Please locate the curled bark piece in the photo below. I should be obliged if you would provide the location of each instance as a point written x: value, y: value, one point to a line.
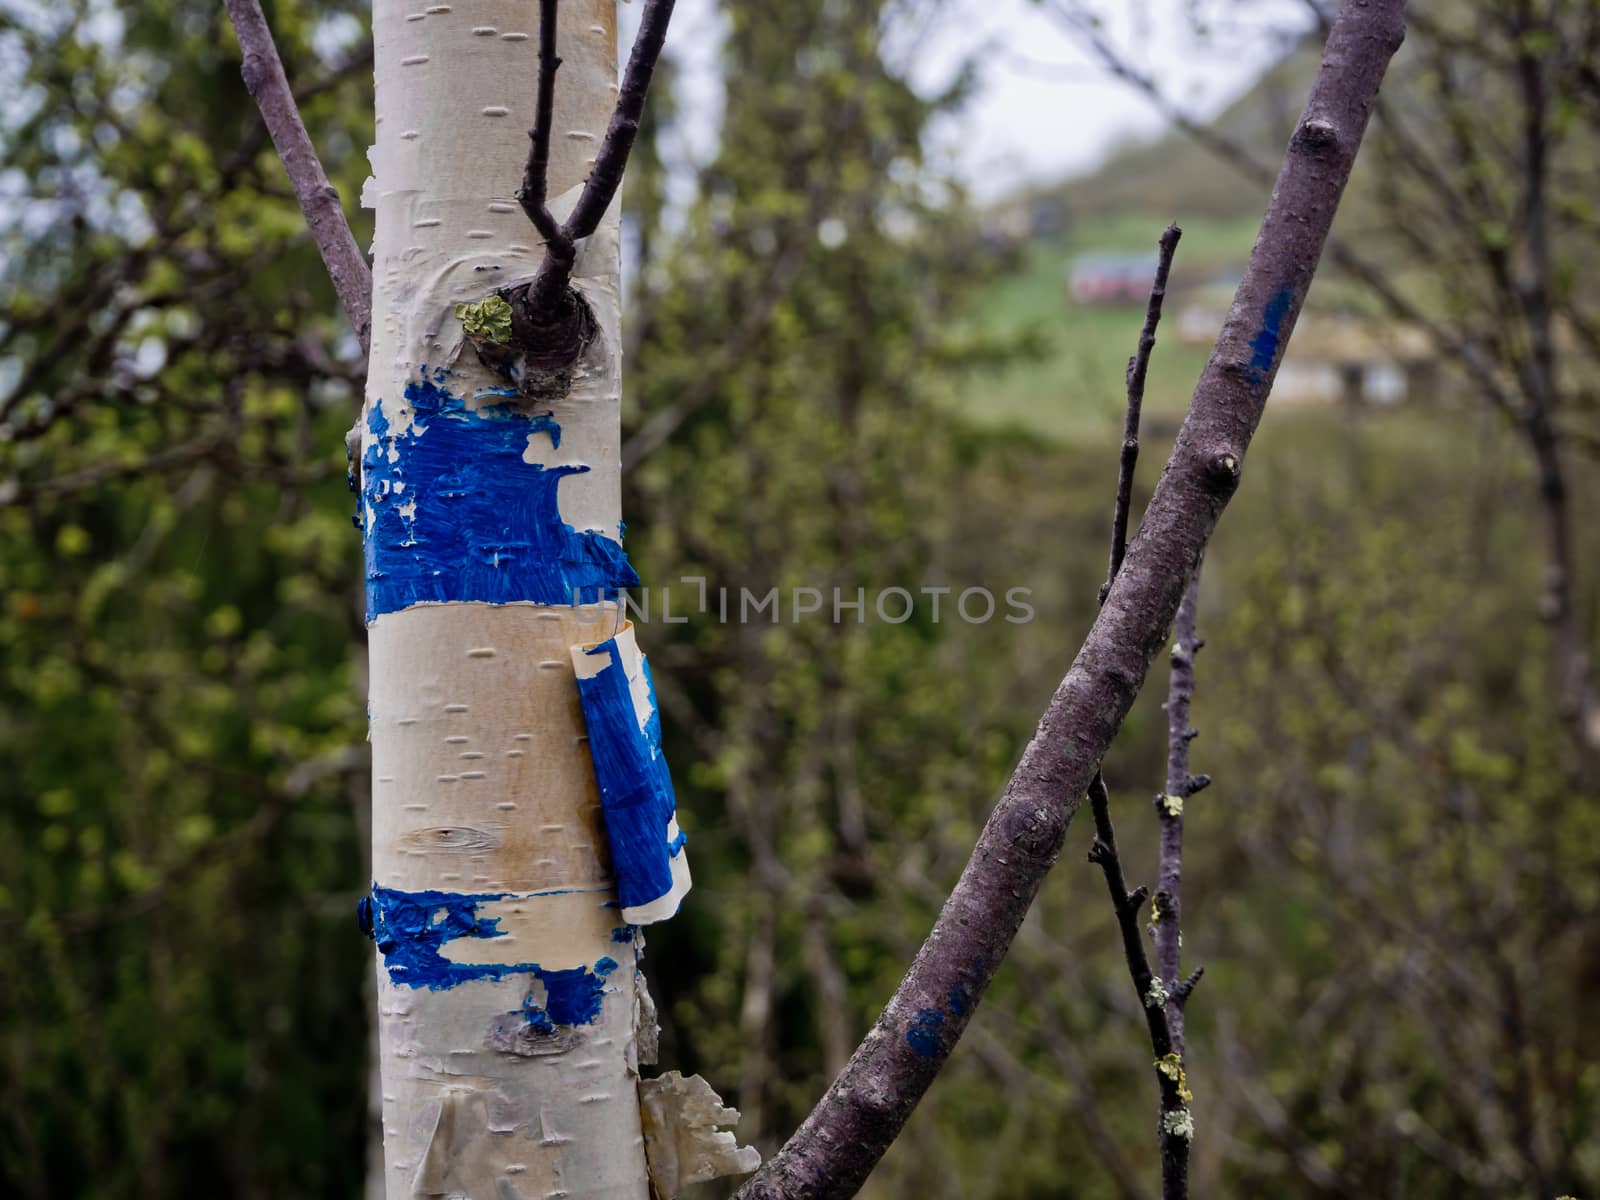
x: 684, y: 1141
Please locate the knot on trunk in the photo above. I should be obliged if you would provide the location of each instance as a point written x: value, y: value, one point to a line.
x: 533, y: 334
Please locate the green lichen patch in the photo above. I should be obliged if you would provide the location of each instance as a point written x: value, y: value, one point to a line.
x: 1171, y: 1065
x: 1179, y: 1123
x: 488, y: 320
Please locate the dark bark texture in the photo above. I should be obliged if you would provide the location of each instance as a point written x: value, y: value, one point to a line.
x: 833, y: 1151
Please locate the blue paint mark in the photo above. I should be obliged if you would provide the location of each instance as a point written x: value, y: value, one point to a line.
x: 458, y: 515
x: 572, y: 997
x: 958, y: 999
x: 410, y: 928
x: 923, y: 1036
x: 635, y: 786
x: 1265, y: 343
x: 537, y: 1018
x: 623, y: 933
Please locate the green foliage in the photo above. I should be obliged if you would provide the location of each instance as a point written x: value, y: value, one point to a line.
x: 180, y: 1007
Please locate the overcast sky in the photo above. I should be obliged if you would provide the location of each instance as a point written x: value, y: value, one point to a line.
x: 1044, y: 109
x: 1047, y: 109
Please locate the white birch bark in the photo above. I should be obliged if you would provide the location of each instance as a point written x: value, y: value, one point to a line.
x: 486, y: 821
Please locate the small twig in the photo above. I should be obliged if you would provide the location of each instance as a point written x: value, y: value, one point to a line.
x: 319, y: 199
x: 1153, y: 999
x: 1161, y: 1016
x: 1126, y: 904
x: 548, y: 290
x: 1138, y: 368
x: 1180, y: 786
x: 1182, y: 992
x: 606, y: 175
x: 535, y: 178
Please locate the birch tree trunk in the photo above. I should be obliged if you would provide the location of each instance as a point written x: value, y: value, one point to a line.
x: 507, y: 976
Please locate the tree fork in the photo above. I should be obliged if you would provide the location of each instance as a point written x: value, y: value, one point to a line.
x: 552, y: 325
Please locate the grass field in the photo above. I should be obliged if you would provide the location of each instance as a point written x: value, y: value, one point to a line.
x: 1075, y: 386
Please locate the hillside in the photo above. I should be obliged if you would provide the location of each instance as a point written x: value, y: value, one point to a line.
x: 1074, y: 385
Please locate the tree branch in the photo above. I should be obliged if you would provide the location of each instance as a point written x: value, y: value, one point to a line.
x: 548, y: 289
x: 606, y: 176
x: 535, y: 177
x: 319, y: 199
x: 1148, y: 988
x: 836, y: 1147
x: 1152, y: 998
x: 1181, y: 785
x: 1138, y: 368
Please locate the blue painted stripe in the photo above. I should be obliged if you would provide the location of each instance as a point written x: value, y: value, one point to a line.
x: 410, y: 928
x: 455, y: 514
x: 1264, y: 346
x: 635, y: 786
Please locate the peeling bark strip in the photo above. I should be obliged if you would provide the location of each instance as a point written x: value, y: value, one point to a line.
x: 684, y: 1136
x: 619, y: 709
x: 511, y: 1009
x: 867, y: 1105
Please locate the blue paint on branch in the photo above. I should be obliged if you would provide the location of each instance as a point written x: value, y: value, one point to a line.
x: 455, y: 514
x: 1266, y: 342
x: 635, y: 786
x: 923, y: 1036
x: 411, y: 928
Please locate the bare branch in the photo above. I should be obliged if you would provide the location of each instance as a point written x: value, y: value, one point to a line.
x: 867, y: 1105
x: 1149, y: 988
x: 535, y: 177
x: 549, y: 286
x: 319, y: 199
x: 1180, y: 786
x: 1138, y: 368
x: 606, y: 176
